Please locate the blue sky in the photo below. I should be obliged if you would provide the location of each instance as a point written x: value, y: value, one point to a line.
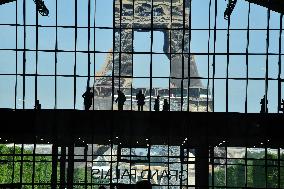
x: 142, y: 42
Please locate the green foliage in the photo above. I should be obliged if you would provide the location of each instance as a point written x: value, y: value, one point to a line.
x: 219, y: 177
x: 79, y: 175
x: 256, y: 173
x: 236, y: 175
x: 11, y: 163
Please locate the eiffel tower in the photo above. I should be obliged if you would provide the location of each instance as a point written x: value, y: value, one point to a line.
x: 174, y: 18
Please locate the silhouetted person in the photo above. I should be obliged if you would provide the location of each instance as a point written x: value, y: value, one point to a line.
x: 140, y: 100
x: 157, y: 103
x: 120, y: 99
x: 37, y: 105
x: 166, y: 106
x: 88, y: 97
x: 262, y: 102
x: 143, y: 184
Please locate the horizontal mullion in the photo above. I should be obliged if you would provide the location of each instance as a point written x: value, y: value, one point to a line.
x: 141, y: 77
x: 144, y: 28
x: 121, y: 52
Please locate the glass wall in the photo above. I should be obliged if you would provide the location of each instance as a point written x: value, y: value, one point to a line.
x: 114, y: 165
x: 184, y: 51
x: 240, y: 167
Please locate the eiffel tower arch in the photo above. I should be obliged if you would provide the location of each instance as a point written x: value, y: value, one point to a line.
x: 172, y: 17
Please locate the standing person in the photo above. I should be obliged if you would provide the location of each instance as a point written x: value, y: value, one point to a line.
x: 166, y: 106
x: 37, y: 105
x: 120, y: 100
x: 262, y: 103
x: 140, y: 100
x: 88, y: 97
x: 157, y: 103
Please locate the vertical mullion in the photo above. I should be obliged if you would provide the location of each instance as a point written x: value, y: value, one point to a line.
x: 54, y: 174
x: 214, y: 57
x: 130, y: 141
x: 247, y: 60
x: 182, y: 56
x: 111, y: 149
x: 22, y: 161
x: 189, y: 53
x: 246, y: 167
x: 170, y: 53
x: 278, y: 167
x: 86, y: 161
x: 89, y: 37
x: 151, y: 60
x: 111, y: 153
x: 149, y: 160
x: 70, y: 170
x: 168, y: 144
x: 212, y: 159
x: 208, y: 50
x: 132, y: 53
x: 189, y: 56
x: 266, y: 171
x: 75, y: 48
x: 120, y: 31
x: 34, y: 164
x: 63, y: 164
x: 16, y: 75
x: 226, y: 161
x: 267, y: 59
x: 228, y: 63
x: 181, y: 158
x: 113, y: 54
x: 92, y: 158
x: 95, y: 10
x: 187, y: 162
x: 279, y: 64
x: 36, y: 74
x: 13, y: 168
x: 24, y: 54
x: 118, y: 156
x: 56, y: 51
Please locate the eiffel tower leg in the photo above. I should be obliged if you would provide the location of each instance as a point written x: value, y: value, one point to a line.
x: 118, y: 64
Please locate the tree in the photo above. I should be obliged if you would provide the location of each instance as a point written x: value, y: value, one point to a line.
x: 256, y: 174
x: 10, y: 169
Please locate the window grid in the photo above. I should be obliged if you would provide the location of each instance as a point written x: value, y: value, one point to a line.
x: 21, y: 73
x: 21, y: 161
x: 31, y: 168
